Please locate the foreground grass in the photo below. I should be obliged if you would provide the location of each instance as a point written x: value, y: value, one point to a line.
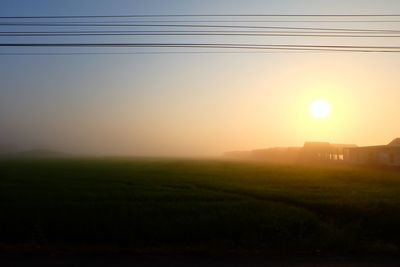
x: 199, y: 206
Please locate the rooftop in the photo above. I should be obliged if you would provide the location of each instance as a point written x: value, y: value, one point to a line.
x: 395, y: 142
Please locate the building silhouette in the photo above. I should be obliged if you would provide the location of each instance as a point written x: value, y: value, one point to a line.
x: 324, y: 152
x: 388, y: 155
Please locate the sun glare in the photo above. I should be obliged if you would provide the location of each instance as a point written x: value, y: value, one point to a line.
x: 320, y: 109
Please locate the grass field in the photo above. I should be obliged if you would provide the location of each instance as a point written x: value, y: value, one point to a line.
x: 197, y: 206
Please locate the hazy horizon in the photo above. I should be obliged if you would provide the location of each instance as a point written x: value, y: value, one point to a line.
x: 196, y: 104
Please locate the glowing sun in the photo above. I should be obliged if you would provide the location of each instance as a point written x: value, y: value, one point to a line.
x: 320, y: 109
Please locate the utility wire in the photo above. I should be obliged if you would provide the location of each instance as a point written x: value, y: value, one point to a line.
x: 195, y: 33
x: 216, y: 21
x: 195, y: 26
x: 147, y: 53
x: 178, y: 31
x: 197, y: 15
x: 202, y: 45
x: 222, y: 28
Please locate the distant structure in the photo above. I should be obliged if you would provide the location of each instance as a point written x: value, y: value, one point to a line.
x: 311, y: 152
x: 324, y: 152
x: 388, y: 155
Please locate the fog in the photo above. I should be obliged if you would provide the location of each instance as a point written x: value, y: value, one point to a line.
x: 194, y: 104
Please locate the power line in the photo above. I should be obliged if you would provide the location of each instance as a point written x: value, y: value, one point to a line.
x: 196, y: 33
x: 236, y: 21
x: 195, y: 26
x: 146, y: 53
x: 197, y: 45
x: 221, y: 21
x: 196, y: 15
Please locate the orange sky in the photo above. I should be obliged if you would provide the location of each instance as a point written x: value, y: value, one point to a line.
x: 203, y: 104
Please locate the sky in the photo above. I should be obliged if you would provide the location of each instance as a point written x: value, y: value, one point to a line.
x: 199, y: 104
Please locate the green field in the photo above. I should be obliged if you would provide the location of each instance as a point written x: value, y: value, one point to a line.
x: 197, y: 206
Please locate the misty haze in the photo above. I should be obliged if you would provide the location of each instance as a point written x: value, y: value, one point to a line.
x: 200, y: 133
